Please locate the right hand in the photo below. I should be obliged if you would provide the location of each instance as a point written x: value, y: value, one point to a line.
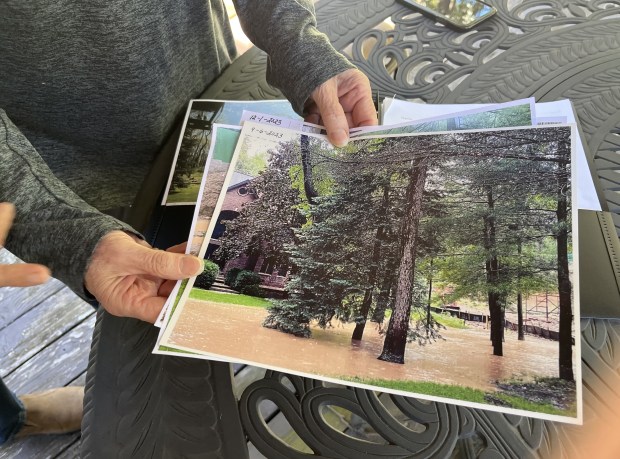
x: 341, y: 103
x: 19, y: 274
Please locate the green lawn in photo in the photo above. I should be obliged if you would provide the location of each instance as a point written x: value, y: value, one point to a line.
x: 189, y: 193
x: 446, y: 320
x: 229, y: 298
x: 467, y: 394
x: 449, y: 321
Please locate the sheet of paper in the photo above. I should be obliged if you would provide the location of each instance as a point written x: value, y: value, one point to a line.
x: 221, y: 148
x: 515, y: 113
x: 400, y: 111
x: 272, y: 120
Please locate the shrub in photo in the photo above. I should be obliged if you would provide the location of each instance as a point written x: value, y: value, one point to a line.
x: 248, y: 283
x: 231, y: 276
x: 207, y: 277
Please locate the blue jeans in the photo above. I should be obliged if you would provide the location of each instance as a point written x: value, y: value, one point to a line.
x: 12, y: 413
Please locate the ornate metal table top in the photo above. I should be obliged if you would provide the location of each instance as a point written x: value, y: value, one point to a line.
x: 170, y: 407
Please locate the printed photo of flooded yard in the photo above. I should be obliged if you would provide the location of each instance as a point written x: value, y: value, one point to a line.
x: 411, y: 263
x: 458, y: 364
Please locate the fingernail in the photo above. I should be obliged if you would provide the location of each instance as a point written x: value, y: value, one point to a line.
x: 191, y: 266
x: 340, y: 138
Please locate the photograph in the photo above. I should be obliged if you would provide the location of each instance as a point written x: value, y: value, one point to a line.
x: 223, y: 140
x: 439, y: 265
x: 191, y: 155
x: 515, y: 113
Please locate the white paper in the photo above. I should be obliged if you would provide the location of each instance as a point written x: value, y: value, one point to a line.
x: 399, y: 111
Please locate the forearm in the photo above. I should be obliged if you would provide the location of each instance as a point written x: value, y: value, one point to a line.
x: 53, y: 226
x: 300, y: 57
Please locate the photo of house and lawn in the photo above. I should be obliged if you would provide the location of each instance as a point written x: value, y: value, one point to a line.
x: 416, y: 264
x: 191, y: 155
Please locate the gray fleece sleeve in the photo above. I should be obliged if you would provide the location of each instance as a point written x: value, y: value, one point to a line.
x: 300, y: 57
x: 53, y: 226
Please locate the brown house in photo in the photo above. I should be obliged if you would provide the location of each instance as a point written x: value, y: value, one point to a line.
x: 273, y: 277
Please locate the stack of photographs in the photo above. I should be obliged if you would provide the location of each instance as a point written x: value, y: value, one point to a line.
x: 431, y: 258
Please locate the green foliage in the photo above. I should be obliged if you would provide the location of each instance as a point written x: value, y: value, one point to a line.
x: 289, y: 317
x: 192, y: 155
x: 449, y: 321
x: 443, y: 320
x: 248, y: 283
x: 266, y: 224
x: 231, y: 276
x: 250, y: 164
x: 187, y: 192
x: 207, y: 277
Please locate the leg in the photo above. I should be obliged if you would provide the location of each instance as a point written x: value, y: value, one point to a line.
x: 55, y: 411
x: 12, y: 413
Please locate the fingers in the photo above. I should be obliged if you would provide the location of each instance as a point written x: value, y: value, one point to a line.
x: 7, y: 214
x: 331, y: 112
x: 166, y: 288
x: 20, y: 274
x: 147, y: 309
x: 23, y: 275
x: 166, y: 265
x: 150, y: 309
x: 343, y: 102
x: 179, y: 248
x: 364, y: 112
x: 313, y: 118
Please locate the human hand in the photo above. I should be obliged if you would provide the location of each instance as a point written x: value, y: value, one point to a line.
x: 19, y: 274
x: 131, y: 279
x: 341, y: 103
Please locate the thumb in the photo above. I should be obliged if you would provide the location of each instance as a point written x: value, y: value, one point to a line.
x: 332, y: 113
x: 167, y: 265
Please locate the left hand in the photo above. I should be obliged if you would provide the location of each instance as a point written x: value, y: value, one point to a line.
x: 131, y: 279
x: 341, y: 103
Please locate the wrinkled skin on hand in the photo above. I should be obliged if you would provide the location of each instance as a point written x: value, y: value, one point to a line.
x: 131, y: 279
x: 341, y: 103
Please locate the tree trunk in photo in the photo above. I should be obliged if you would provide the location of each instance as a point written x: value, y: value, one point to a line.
x: 493, y: 280
x: 360, y: 325
x: 383, y: 299
x: 396, y: 335
x: 306, y: 165
x: 564, y: 284
x: 521, y: 335
x: 371, y: 279
x: 430, y: 292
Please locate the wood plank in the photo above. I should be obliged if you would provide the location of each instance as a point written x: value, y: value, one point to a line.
x: 59, y: 364
x: 38, y: 447
x: 34, y: 330
x: 16, y: 301
x: 7, y: 257
x: 72, y: 451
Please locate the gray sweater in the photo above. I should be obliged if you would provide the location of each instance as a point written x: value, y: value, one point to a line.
x: 95, y: 87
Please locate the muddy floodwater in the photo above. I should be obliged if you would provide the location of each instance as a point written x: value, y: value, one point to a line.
x: 463, y: 358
